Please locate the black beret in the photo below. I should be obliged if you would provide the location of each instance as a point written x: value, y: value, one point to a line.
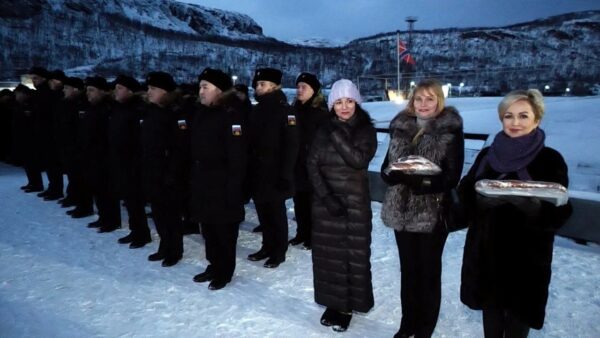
x: 161, y: 80
x: 74, y: 82
x: 98, y: 82
x: 57, y: 75
x: 127, y: 81
x: 217, y: 77
x: 311, y: 80
x: 40, y: 71
x: 267, y: 74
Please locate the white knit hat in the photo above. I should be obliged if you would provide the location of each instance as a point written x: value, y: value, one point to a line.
x: 343, y: 89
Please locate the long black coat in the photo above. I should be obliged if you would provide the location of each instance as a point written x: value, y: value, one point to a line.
x: 67, y: 119
x: 41, y: 127
x: 310, y: 116
x: 92, y: 144
x: 273, y: 142
x: 124, y: 147
x: 508, y: 255
x: 337, y: 165
x: 163, y: 153
x: 218, y: 157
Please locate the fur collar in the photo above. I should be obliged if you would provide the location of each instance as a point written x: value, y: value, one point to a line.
x: 448, y: 121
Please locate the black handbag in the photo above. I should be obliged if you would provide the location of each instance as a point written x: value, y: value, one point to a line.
x: 454, y: 216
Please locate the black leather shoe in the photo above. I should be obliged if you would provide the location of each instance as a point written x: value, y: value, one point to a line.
x: 26, y: 186
x: 78, y: 213
x: 258, y: 228
x: 44, y: 193
x: 126, y: 239
x: 272, y: 263
x: 67, y: 203
x: 258, y: 256
x: 204, y: 276
x: 53, y: 197
x: 170, y: 261
x: 296, y: 240
x: 307, y: 245
x: 95, y: 224
x: 138, y: 244
x: 217, y: 284
x: 34, y: 189
x: 157, y: 256
x: 104, y: 229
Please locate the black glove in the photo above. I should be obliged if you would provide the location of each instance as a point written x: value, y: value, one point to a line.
x: 334, y: 206
x: 530, y: 206
x: 283, y: 184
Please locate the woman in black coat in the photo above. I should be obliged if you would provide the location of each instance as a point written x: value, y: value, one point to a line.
x: 273, y: 146
x: 218, y: 156
x: 341, y: 234
x: 508, y: 251
x: 311, y: 112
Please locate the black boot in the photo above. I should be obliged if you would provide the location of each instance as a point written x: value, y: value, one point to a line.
x: 295, y: 241
x: 217, y: 284
x: 108, y: 228
x: 170, y: 261
x: 328, y: 317
x: 205, y: 276
x: 95, y: 224
x: 80, y: 213
x: 126, y: 239
x: 342, y: 323
x: 157, y: 256
x: 140, y: 241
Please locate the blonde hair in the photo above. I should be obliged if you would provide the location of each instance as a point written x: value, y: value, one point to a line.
x: 532, y: 96
x: 432, y: 85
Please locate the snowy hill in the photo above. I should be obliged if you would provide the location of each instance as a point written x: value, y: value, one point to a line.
x: 112, y: 36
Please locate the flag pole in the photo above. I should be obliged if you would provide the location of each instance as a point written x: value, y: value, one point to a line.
x: 398, y: 61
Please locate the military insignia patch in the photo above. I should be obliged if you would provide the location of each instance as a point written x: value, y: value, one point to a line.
x: 182, y: 124
x: 236, y: 130
x: 291, y: 120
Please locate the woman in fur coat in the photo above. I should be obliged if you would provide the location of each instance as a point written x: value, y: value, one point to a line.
x: 341, y: 208
x: 508, y: 251
x: 412, y: 204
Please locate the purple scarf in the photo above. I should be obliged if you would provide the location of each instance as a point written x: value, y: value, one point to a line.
x: 508, y: 154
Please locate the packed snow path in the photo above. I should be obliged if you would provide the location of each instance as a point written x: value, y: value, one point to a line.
x: 60, y: 279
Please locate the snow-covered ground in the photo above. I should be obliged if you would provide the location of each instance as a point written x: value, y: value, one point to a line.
x: 60, y: 279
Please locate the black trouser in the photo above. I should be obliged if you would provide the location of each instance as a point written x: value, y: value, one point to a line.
x: 500, y: 323
x: 167, y: 219
x: 220, y: 246
x: 421, y: 280
x: 34, y: 178
x: 82, y: 192
x: 138, y: 222
x: 273, y: 217
x: 109, y: 210
x: 302, y: 211
x: 55, y: 179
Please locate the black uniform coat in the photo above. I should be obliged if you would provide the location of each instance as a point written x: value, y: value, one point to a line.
x: 67, y: 119
x: 163, y: 153
x: 273, y: 142
x: 41, y: 127
x: 310, y: 116
x: 92, y: 144
x: 508, y: 255
x: 124, y: 147
x: 218, y: 156
x: 337, y: 165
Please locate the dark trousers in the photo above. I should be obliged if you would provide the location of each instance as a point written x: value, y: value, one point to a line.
x: 167, y: 218
x: 82, y: 192
x: 55, y: 179
x: 420, y: 280
x: 138, y: 222
x: 220, y: 245
x: 109, y: 210
x: 34, y: 177
x: 273, y: 217
x: 302, y: 211
x: 500, y: 323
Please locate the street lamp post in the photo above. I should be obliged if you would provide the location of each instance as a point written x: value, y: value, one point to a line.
x: 460, y: 87
x: 234, y: 78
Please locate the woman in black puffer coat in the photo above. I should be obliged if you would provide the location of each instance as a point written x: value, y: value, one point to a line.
x: 341, y: 235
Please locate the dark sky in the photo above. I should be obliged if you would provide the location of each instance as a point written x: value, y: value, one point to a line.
x: 344, y: 20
